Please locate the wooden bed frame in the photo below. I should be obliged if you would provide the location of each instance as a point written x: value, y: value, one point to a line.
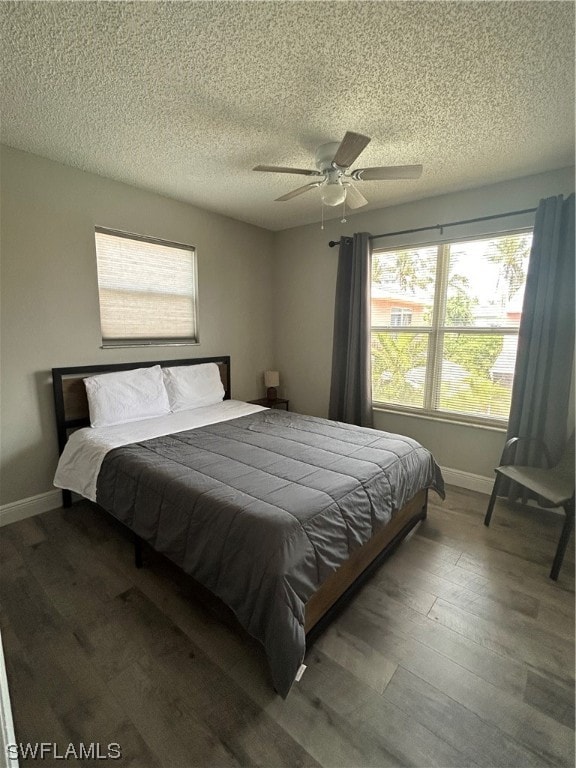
x: 72, y: 413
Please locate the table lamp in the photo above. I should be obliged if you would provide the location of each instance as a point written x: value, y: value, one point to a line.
x: 271, y: 380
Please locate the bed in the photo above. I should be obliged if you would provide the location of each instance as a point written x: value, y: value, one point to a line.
x: 282, y: 516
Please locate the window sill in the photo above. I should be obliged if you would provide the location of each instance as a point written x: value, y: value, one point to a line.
x: 441, y: 418
x: 145, y: 345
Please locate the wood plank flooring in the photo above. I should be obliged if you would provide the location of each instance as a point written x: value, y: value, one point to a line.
x: 458, y: 652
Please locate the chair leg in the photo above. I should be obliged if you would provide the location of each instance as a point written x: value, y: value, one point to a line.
x: 492, y: 501
x: 563, y: 542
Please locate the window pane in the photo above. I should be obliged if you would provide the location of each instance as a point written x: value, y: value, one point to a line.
x: 486, y: 281
x: 477, y: 374
x: 399, y: 367
x: 403, y: 287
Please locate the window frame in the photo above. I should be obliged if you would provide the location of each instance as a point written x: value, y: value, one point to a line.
x: 150, y: 341
x: 436, y: 332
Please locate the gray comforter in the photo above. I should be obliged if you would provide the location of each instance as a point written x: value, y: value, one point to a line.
x: 261, y: 509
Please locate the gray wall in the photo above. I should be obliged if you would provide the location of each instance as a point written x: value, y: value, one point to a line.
x: 304, y: 285
x: 49, y: 300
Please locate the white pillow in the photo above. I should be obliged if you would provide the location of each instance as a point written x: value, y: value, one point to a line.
x: 193, y: 386
x: 115, y: 398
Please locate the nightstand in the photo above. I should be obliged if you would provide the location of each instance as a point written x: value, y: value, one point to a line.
x: 278, y: 403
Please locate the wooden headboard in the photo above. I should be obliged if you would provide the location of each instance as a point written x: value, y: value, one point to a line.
x: 70, y: 393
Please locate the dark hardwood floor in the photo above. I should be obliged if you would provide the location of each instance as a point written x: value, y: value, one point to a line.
x: 459, y: 652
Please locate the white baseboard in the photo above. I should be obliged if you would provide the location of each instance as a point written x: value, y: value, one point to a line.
x: 468, y: 480
x: 33, y: 505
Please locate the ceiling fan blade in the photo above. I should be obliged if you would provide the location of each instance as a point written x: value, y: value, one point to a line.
x: 388, y: 172
x: 296, y: 192
x: 350, y: 147
x: 354, y: 198
x: 281, y: 169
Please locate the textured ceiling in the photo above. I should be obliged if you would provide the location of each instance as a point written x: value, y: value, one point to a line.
x: 184, y: 98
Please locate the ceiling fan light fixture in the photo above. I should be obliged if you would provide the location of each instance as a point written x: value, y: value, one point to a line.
x: 333, y: 193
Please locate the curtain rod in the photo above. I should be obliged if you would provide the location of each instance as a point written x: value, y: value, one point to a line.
x: 332, y: 243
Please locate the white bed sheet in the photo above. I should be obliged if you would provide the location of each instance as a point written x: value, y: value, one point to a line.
x: 86, y: 448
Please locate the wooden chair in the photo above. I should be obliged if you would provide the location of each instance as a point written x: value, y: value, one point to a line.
x: 553, y: 484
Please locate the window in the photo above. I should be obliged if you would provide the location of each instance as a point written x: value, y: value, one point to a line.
x: 445, y: 322
x: 400, y: 316
x: 147, y: 289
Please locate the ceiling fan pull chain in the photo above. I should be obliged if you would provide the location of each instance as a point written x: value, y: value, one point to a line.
x: 343, y: 219
x: 322, y: 210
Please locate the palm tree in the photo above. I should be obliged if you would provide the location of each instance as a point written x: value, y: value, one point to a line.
x: 510, y: 254
x: 409, y: 269
x: 410, y: 273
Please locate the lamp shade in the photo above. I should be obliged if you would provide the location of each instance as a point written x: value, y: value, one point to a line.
x: 271, y: 378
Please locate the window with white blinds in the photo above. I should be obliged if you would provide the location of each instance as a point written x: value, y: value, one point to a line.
x: 147, y: 288
x: 445, y: 322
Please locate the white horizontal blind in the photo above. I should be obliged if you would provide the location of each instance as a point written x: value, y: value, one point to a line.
x: 147, y: 289
x: 461, y: 303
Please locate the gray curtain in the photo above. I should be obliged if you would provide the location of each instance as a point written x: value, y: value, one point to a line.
x: 351, y: 389
x: 544, y: 362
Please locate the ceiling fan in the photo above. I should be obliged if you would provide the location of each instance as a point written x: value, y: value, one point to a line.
x: 333, y: 161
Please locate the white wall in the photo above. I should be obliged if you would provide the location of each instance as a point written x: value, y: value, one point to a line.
x: 49, y: 300
x: 305, y: 279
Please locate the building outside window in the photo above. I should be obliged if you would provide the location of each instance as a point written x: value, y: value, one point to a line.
x: 445, y: 322
x: 148, y: 290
